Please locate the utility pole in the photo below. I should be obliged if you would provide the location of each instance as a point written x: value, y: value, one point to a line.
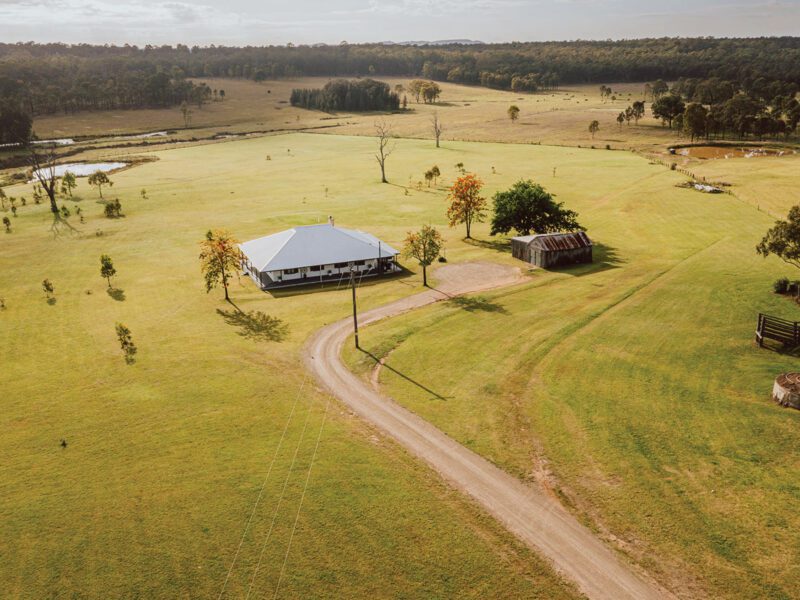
x: 355, y: 312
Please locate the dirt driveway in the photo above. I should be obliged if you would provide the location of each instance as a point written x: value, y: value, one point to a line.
x: 533, y: 516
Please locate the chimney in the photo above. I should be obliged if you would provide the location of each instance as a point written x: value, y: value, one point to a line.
x: 330, y: 220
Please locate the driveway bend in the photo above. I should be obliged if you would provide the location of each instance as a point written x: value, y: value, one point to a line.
x: 536, y: 518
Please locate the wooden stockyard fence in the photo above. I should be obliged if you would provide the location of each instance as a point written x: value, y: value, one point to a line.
x: 780, y: 330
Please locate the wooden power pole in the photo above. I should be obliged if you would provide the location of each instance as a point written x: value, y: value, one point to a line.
x: 355, y: 312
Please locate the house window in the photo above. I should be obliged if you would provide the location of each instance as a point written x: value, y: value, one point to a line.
x: 317, y: 268
x: 360, y: 262
x: 340, y: 265
x: 289, y: 271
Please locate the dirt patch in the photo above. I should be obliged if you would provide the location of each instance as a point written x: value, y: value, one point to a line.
x: 475, y: 277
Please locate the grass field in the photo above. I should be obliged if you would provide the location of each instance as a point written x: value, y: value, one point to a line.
x: 467, y: 112
x: 632, y: 387
x: 166, y: 457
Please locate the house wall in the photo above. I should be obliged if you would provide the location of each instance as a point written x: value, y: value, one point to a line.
x: 266, y: 278
x: 324, y: 271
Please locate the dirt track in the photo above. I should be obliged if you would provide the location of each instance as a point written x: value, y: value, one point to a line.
x: 534, y: 517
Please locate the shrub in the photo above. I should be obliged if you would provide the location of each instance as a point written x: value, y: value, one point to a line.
x: 781, y: 286
x: 113, y: 209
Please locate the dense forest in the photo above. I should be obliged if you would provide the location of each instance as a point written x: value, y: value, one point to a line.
x: 342, y: 94
x: 48, y: 78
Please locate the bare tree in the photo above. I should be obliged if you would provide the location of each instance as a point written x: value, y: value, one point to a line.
x: 44, y: 171
x: 437, y: 127
x: 43, y: 167
x: 384, y: 133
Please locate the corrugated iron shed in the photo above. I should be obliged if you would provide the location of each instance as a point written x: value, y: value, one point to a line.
x: 561, y: 241
x: 553, y: 249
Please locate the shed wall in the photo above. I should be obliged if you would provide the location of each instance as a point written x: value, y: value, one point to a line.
x: 521, y: 250
x: 559, y: 258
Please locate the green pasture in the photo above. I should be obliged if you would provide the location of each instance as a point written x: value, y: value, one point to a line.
x: 166, y: 457
x: 632, y: 387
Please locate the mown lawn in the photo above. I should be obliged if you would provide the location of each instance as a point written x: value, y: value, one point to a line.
x: 165, y: 458
x: 633, y: 387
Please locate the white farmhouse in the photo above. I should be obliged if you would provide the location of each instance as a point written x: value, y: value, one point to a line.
x: 315, y: 253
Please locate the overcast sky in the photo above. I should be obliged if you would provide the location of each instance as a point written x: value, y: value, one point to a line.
x: 261, y: 22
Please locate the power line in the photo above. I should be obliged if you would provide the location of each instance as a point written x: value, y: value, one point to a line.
x: 302, y: 497
x: 263, y: 485
x: 280, y: 501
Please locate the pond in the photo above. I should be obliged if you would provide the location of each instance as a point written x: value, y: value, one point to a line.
x: 86, y: 169
x: 707, y: 152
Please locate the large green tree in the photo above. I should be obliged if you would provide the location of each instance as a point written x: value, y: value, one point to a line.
x: 528, y: 208
x: 695, y: 119
x: 783, y: 239
x: 668, y: 107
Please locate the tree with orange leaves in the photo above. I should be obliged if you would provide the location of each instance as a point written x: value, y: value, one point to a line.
x: 219, y: 257
x: 466, y: 203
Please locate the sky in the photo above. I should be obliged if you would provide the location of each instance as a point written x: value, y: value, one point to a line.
x: 264, y: 22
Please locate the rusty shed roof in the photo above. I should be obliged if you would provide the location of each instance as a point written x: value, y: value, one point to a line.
x: 552, y: 242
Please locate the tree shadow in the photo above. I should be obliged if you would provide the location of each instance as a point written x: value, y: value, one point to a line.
x: 497, y: 245
x: 478, y: 303
x: 604, y: 258
x: 116, y: 293
x: 255, y: 325
x: 61, y: 225
x: 436, y: 395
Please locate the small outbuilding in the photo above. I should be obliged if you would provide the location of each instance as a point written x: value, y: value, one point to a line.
x: 314, y: 254
x: 549, y: 250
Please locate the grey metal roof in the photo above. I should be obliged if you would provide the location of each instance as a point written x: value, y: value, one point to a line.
x: 550, y: 242
x: 313, y: 245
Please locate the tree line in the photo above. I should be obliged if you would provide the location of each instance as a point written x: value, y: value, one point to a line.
x: 58, y: 77
x: 347, y: 95
x: 67, y: 84
x: 716, y: 107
